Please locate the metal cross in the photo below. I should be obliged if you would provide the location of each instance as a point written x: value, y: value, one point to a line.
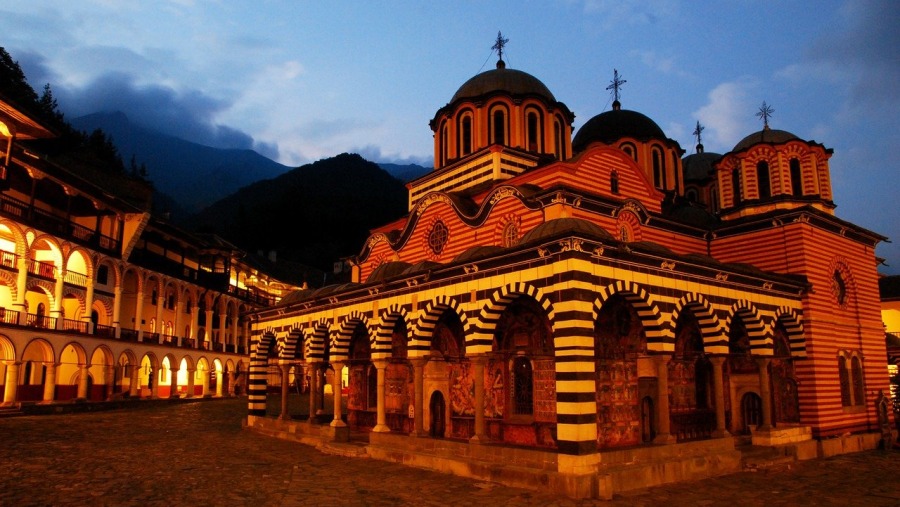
x: 500, y: 44
x: 765, y: 112
x: 615, y: 84
x: 698, y: 131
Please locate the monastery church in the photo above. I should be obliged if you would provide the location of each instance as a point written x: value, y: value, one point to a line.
x: 594, y: 311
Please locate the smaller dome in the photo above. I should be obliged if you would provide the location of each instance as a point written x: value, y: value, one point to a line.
x: 699, y: 166
x: 564, y: 226
x: 501, y: 79
x: 767, y: 135
x: 610, y: 126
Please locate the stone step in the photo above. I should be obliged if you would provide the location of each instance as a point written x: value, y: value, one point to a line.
x: 11, y: 412
x: 345, y: 449
x: 755, y: 458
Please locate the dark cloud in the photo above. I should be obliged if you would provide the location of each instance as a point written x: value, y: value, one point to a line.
x: 187, y: 114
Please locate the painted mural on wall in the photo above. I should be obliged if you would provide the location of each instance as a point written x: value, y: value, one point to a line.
x: 618, y: 404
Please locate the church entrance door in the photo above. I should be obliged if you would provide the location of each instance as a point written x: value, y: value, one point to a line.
x: 438, y: 409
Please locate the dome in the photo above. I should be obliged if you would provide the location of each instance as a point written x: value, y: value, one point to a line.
x: 501, y: 79
x: 699, y: 166
x: 767, y: 135
x: 565, y: 226
x: 613, y: 125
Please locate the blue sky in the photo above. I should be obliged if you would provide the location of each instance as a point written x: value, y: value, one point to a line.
x: 299, y: 81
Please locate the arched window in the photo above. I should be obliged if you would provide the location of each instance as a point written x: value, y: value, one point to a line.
x: 691, y: 195
x: 796, y: 178
x: 630, y: 150
x: 498, y: 126
x: 844, y: 376
x: 614, y: 182
x: 658, y: 169
x: 736, y: 186
x: 762, y: 180
x: 534, y: 130
x: 558, y: 139
x: 859, y: 384
x: 510, y: 234
x: 523, y: 390
x: 465, y: 138
x: 444, y: 148
x: 713, y: 199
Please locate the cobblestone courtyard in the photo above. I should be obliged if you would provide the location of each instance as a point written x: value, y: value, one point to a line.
x: 197, y: 453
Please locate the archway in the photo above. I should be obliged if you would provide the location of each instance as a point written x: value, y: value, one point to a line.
x: 619, y: 341
x: 437, y: 411
x: 751, y: 412
x: 692, y: 415
x: 520, y: 394
x: 362, y: 397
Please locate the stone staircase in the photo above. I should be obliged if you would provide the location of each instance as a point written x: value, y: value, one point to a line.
x: 13, y: 411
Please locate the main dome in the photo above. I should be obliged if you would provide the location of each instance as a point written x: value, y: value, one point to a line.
x: 501, y: 79
x: 610, y: 126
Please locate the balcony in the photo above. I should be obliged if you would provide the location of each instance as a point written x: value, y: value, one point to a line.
x: 24, y: 213
x: 30, y: 320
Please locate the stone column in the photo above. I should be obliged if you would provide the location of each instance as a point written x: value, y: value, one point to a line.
x: 139, y: 315
x: 50, y: 383
x: 83, y: 382
x: 220, y: 382
x: 418, y: 383
x: 110, y: 381
x: 12, y: 382
x: 663, y: 435
x: 204, y: 383
x: 117, y: 311
x: 56, y: 311
x: 176, y: 324
x: 195, y: 324
x: 480, y: 436
x: 173, y: 382
x: 191, y: 373
x: 88, y: 303
x: 765, y: 393
x: 160, y: 328
x: 154, y: 384
x: 285, y: 371
x: 209, y: 328
x: 313, y: 369
x: 234, y: 333
x: 21, y: 283
x: 381, y: 420
x: 135, y: 381
x: 719, y: 391
x: 336, y: 388
x: 222, y: 317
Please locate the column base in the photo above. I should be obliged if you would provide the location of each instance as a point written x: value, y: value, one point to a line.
x: 479, y: 439
x: 665, y: 439
x: 381, y: 428
x: 720, y: 434
x: 337, y: 423
x: 419, y: 434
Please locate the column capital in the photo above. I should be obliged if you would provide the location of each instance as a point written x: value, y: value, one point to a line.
x: 380, y: 364
x: 478, y: 358
x: 717, y: 360
x: 418, y: 362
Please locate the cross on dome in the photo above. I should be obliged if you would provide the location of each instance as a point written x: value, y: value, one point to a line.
x: 499, y: 45
x: 765, y: 112
x: 615, y: 85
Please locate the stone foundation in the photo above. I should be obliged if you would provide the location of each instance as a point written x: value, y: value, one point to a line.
x: 297, y: 431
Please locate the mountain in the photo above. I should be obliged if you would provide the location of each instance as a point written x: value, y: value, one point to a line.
x: 314, y: 214
x: 404, y: 172
x: 192, y: 175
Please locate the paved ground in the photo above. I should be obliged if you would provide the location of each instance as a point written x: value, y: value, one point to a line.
x: 197, y: 453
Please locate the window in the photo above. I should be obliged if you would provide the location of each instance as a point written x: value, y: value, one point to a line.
x: 630, y: 150
x: 853, y: 386
x: 614, y: 182
x: 691, y: 195
x: 762, y: 180
x: 859, y: 385
x: 796, y: 178
x: 533, y: 132
x: 558, y: 138
x: 523, y: 390
x: 510, y: 234
x: 444, y: 148
x: 437, y: 237
x: 466, y: 136
x: 498, y: 129
x: 736, y: 186
x: 839, y: 288
x: 659, y: 170
x: 103, y: 274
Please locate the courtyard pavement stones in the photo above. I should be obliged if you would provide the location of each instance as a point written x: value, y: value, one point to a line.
x: 197, y: 454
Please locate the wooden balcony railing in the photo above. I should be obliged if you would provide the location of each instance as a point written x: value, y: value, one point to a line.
x: 40, y: 321
x: 76, y: 278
